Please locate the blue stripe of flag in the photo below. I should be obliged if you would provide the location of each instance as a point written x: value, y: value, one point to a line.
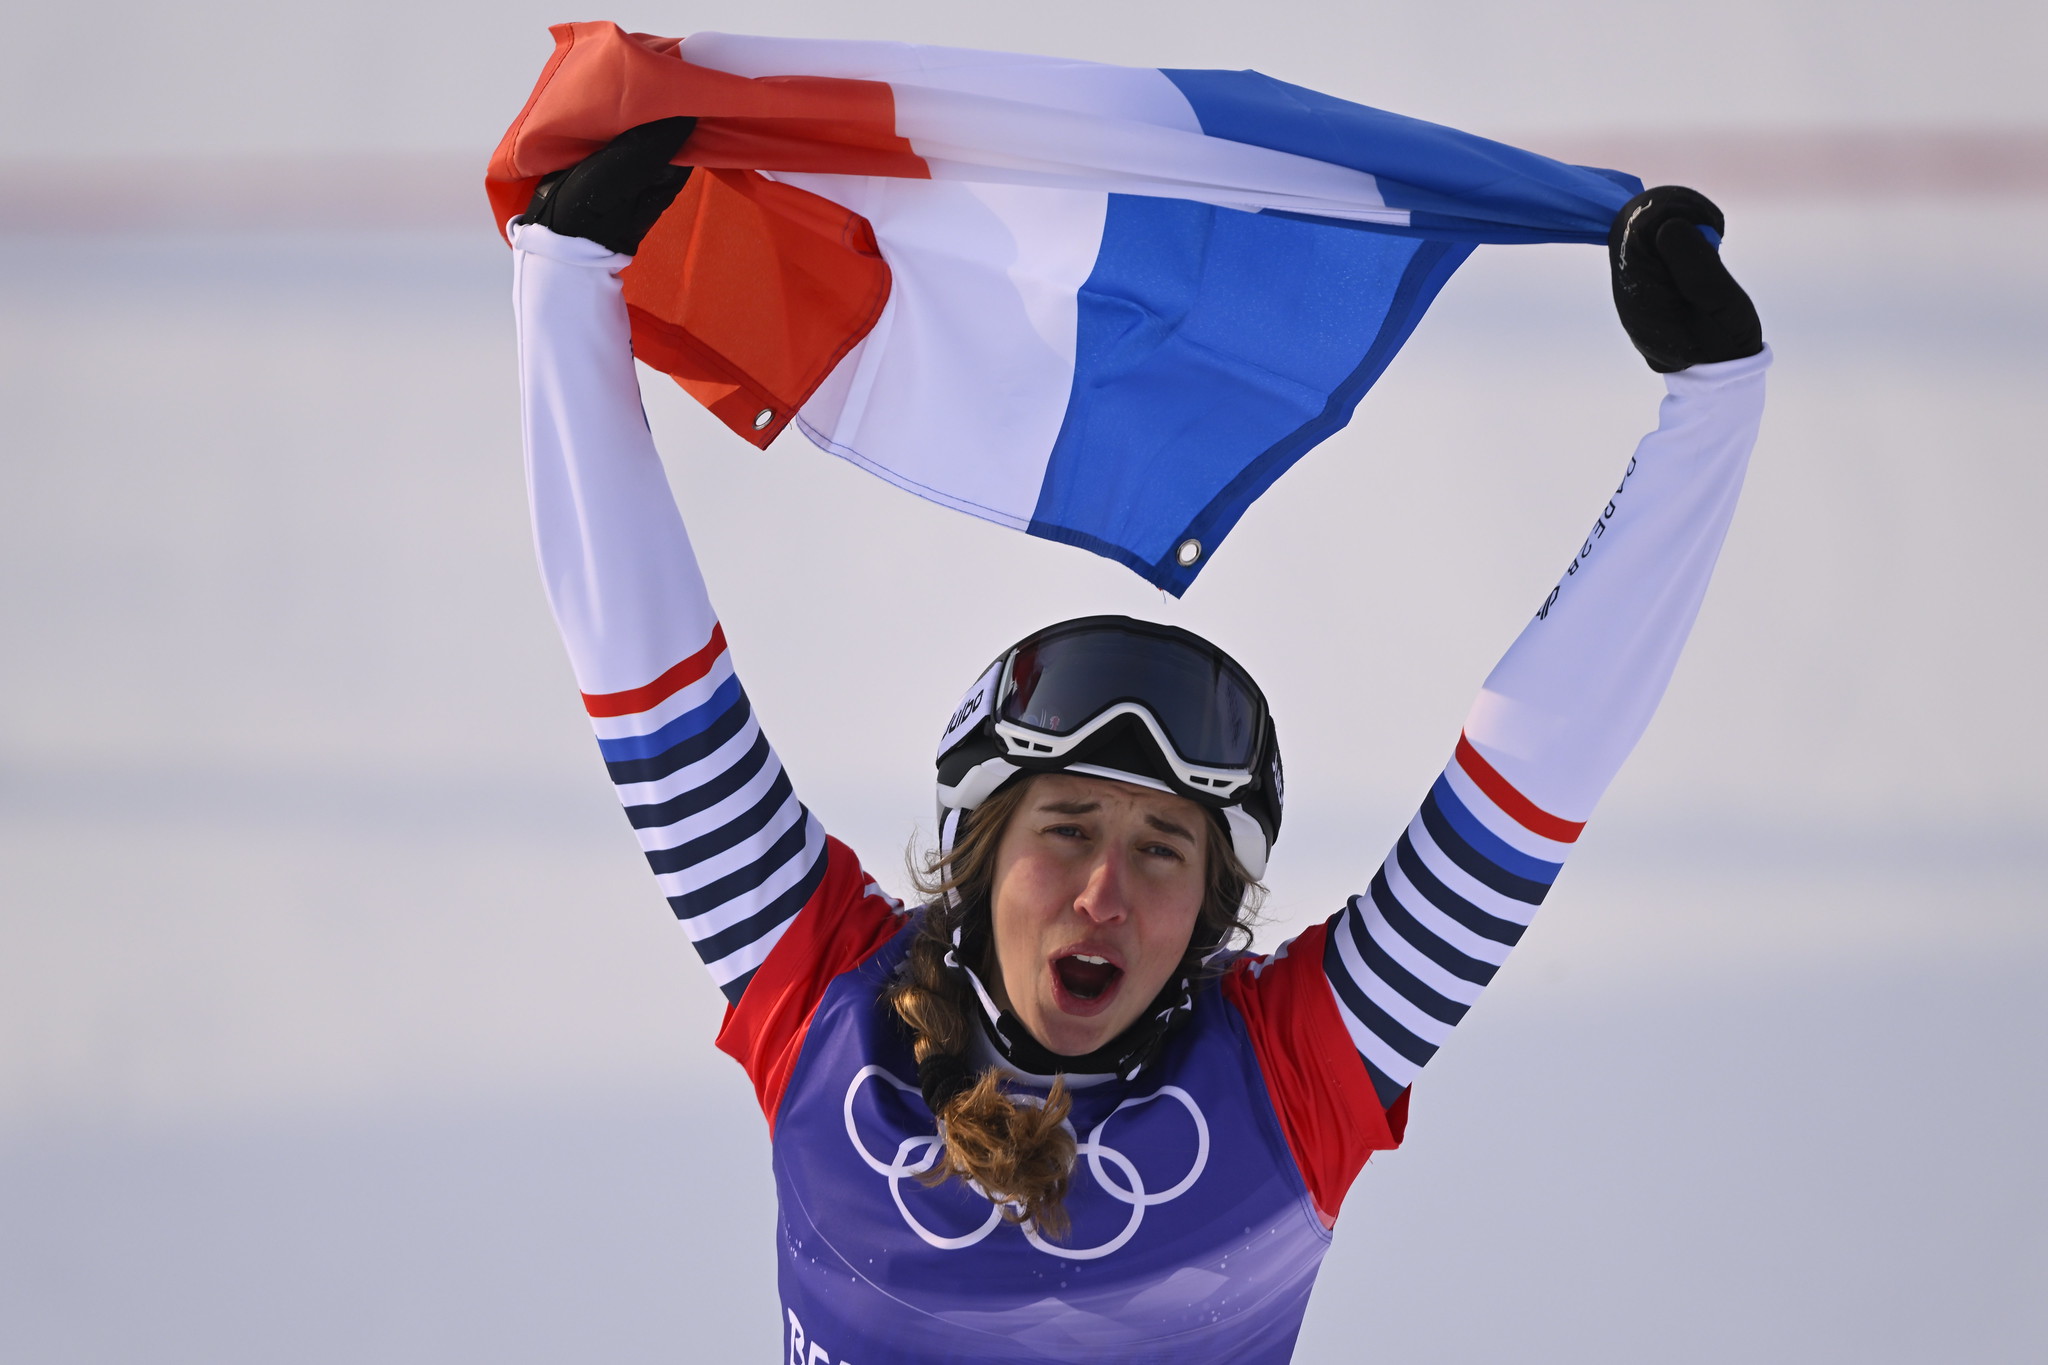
x: 1216, y: 347
x: 1456, y: 186
x: 1213, y: 349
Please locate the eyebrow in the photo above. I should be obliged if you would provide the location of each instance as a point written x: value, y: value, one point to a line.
x: 1070, y: 807
x: 1158, y: 822
x: 1161, y: 823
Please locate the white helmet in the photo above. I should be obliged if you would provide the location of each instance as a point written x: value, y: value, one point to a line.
x: 1109, y: 696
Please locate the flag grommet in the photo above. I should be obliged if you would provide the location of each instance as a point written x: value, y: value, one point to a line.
x: 1190, y: 550
x: 763, y: 418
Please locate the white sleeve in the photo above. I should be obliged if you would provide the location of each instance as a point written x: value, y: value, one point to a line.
x: 1552, y: 727
x: 734, y: 851
x: 1561, y: 711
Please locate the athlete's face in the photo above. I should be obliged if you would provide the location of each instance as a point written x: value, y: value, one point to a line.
x: 1097, y: 888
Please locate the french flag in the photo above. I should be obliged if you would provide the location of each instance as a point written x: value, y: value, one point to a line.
x: 1105, y: 305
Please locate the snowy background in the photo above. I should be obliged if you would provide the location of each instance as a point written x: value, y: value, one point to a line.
x: 341, y: 1022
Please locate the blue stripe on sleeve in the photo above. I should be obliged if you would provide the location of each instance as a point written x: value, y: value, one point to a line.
x: 1449, y: 903
x: 735, y: 831
x: 737, y: 987
x: 1481, y: 868
x: 1383, y: 1085
x: 742, y: 880
x: 1382, y: 1025
x: 1485, y: 842
x: 1411, y: 987
x: 689, y: 724
x: 706, y: 794
x: 687, y: 751
x: 1410, y: 929
x: 785, y: 906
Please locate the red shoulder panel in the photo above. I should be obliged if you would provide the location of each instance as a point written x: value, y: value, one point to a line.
x: 1317, y: 1080
x: 846, y: 920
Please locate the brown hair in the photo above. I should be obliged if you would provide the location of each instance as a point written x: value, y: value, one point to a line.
x: 1016, y: 1152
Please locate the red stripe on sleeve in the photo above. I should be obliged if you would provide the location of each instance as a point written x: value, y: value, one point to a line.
x: 637, y: 699
x: 840, y: 927
x: 1502, y: 793
x: 1314, y: 1075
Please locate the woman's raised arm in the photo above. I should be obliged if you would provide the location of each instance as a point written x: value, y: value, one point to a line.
x: 1550, y: 729
x: 1557, y: 717
x: 1561, y: 712
x: 735, y: 852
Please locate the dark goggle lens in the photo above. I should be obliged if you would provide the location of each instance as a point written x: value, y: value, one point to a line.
x: 1209, y: 713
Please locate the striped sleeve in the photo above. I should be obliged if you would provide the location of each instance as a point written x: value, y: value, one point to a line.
x: 1408, y: 958
x: 733, y: 850
x: 1555, y: 721
x: 1403, y: 963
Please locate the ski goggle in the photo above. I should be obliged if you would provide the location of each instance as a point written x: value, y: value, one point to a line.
x: 1063, y: 686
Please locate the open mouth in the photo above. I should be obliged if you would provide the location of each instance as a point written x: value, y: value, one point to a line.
x: 1086, y: 976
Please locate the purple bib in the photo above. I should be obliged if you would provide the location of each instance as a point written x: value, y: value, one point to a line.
x: 1193, y: 1237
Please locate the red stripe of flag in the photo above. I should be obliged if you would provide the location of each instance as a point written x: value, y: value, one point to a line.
x: 637, y: 699
x: 1502, y: 793
x: 602, y: 80
x: 748, y: 291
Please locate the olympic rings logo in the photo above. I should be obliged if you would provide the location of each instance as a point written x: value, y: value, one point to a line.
x: 916, y: 1155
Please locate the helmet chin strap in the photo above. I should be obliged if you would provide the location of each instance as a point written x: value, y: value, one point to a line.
x: 1124, y: 1055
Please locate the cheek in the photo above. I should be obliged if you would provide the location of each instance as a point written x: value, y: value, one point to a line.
x: 1026, y: 898
x: 1169, y: 930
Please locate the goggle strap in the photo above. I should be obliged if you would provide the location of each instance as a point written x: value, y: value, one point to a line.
x: 976, y: 706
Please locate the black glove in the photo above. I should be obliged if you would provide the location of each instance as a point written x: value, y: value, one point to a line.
x: 1679, y: 303
x: 613, y: 196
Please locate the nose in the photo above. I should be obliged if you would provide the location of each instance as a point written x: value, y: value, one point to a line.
x: 1104, y: 896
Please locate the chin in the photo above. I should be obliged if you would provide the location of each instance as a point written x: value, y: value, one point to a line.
x: 1071, y: 1037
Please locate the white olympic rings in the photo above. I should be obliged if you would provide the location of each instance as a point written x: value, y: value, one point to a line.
x: 916, y: 1155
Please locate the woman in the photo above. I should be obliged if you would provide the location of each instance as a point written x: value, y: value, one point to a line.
x: 1054, y: 1114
